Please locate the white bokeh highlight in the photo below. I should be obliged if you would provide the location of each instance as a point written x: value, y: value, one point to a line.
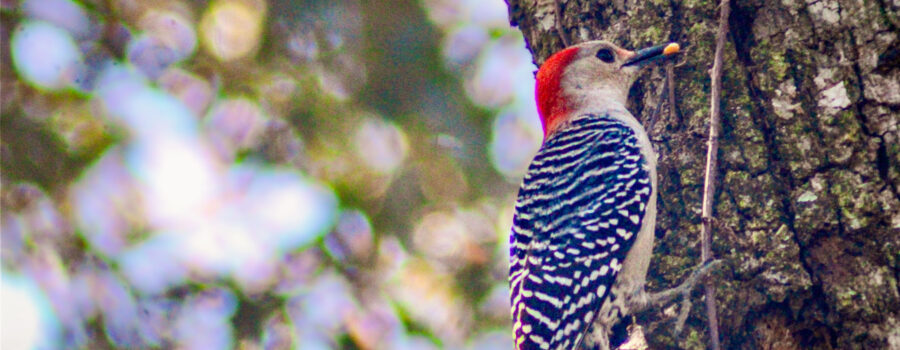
x: 381, y: 145
x: 45, y: 55
x: 28, y: 322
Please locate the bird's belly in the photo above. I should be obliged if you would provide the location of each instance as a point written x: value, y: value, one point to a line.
x: 630, y: 282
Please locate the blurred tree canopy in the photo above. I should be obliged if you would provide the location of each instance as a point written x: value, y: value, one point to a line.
x: 250, y: 174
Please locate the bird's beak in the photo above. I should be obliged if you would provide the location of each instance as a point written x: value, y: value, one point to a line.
x: 651, y: 54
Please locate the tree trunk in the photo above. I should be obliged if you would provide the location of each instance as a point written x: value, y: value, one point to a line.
x: 807, y: 205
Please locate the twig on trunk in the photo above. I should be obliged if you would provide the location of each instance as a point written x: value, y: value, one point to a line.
x: 709, y: 189
x: 654, y: 115
x: 670, y: 81
x: 559, y: 25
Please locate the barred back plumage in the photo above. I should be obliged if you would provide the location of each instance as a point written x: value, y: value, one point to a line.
x: 578, y: 212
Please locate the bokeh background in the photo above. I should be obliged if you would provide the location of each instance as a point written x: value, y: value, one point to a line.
x: 260, y: 175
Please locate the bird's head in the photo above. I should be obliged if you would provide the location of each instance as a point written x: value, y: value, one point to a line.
x: 593, y: 72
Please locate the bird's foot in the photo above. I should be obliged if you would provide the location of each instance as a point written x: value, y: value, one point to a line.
x: 660, y: 299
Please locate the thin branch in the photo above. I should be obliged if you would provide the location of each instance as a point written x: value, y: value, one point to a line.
x: 559, y: 25
x: 651, y: 125
x: 670, y: 81
x: 709, y: 189
x: 669, y: 88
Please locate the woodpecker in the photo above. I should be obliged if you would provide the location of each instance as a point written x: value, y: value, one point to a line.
x: 582, y: 234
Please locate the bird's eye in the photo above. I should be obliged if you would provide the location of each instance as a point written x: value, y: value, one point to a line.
x: 606, y: 55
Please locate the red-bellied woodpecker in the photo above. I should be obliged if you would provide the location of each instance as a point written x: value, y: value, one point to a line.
x: 582, y: 234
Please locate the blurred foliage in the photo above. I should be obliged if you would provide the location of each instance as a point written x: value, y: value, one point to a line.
x: 247, y: 174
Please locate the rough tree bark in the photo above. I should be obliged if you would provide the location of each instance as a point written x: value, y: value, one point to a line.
x: 808, y: 198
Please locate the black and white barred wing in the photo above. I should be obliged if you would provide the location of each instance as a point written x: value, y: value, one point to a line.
x: 579, y: 210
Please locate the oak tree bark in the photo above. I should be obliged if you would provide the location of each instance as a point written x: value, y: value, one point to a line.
x: 808, y: 201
